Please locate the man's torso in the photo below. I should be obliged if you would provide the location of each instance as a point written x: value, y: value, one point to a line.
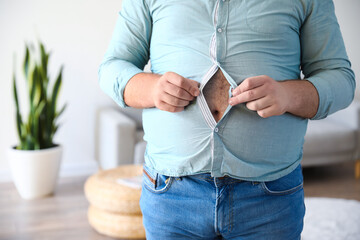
x: 216, y: 93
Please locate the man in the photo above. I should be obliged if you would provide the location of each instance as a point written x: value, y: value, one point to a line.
x: 225, y: 111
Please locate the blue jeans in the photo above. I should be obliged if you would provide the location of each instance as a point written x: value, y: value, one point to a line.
x: 203, y: 207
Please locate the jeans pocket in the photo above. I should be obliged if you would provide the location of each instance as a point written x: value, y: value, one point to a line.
x: 155, y: 182
x: 285, y: 185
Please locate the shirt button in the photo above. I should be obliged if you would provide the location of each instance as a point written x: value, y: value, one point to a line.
x: 216, y: 129
x: 219, y: 30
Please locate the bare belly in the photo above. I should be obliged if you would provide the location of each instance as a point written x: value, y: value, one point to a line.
x: 216, y: 93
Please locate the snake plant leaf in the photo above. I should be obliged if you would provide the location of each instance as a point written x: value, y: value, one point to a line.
x: 44, y: 61
x: 57, y: 114
x: 30, y: 122
x: 33, y: 82
x: 26, y: 61
x: 39, y: 129
x: 15, y: 94
x: 22, y: 137
x: 55, y: 128
x: 38, y: 94
x: 18, y: 125
x: 29, y: 143
x: 55, y: 91
x: 48, y: 120
x: 39, y: 109
x: 36, y: 133
x: 18, y: 115
x: 23, y: 131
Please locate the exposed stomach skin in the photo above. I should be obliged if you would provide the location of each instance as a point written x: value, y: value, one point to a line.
x: 216, y: 92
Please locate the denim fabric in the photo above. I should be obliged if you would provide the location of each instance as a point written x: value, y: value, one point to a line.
x: 195, y: 38
x: 203, y: 207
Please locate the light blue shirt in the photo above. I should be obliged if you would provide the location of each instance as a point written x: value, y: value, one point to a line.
x: 243, y: 38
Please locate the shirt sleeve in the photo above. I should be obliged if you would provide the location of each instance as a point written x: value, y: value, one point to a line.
x: 128, y: 51
x: 324, y: 60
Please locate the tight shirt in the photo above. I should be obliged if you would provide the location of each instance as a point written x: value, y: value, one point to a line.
x: 243, y: 38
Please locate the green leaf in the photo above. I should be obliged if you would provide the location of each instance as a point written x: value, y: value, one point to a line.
x: 44, y: 61
x: 18, y: 124
x: 38, y: 92
x: 57, y: 114
x: 23, y: 137
x: 37, y: 131
x: 55, y: 128
x: 15, y: 94
x: 29, y: 143
x: 18, y: 115
x: 33, y: 84
x: 55, y: 92
x: 26, y: 61
x: 23, y: 131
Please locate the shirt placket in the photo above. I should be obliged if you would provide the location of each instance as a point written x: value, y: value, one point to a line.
x: 218, y: 54
x: 221, y: 29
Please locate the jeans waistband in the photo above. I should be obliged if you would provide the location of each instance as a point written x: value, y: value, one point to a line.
x: 208, y: 177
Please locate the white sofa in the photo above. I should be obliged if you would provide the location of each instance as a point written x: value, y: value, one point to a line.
x: 327, y: 141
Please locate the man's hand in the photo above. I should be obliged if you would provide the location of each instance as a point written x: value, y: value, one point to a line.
x: 262, y: 94
x: 172, y: 92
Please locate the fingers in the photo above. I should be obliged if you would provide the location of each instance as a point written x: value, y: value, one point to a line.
x: 178, y: 92
x: 186, y: 84
x: 250, y: 83
x: 260, y: 104
x: 249, y: 95
x: 173, y: 92
x: 262, y: 94
x: 174, y: 101
x: 169, y: 108
x: 269, y: 111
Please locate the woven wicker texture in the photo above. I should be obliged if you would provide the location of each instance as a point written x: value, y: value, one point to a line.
x: 116, y: 225
x: 103, y: 192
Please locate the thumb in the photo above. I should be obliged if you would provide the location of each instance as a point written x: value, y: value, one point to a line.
x: 194, y: 87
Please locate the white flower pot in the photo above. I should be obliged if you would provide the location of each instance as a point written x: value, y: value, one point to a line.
x: 35, y: 172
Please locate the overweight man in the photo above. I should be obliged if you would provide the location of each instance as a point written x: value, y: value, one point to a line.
x: 225, y: 109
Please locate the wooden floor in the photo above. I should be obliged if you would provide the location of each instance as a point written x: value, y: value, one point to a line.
x: 63, y: 216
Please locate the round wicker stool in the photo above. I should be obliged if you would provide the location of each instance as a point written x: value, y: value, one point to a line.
x: 116, y: 225
x: 105, y: 193
x: 114, y: 208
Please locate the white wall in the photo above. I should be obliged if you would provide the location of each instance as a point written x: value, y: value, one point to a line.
x: 348, y: 14
x: 78, y: 32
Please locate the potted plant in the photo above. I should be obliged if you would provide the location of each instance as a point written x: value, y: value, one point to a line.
x: 35, y: 161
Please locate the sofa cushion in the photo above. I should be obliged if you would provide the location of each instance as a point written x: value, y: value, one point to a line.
x: 135, y: 114
x: 328, y: 136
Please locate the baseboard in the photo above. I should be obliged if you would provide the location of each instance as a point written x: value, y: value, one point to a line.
x: 66, y: 170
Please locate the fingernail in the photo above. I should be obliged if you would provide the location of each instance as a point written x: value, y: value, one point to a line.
x: 196, y: 93
x: 231, y: 102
